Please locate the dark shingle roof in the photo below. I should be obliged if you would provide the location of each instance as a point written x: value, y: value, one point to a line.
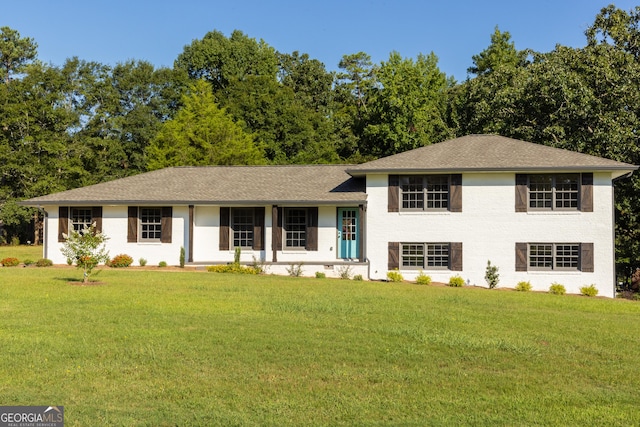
x: 318, y: 184
x: 487, y: 153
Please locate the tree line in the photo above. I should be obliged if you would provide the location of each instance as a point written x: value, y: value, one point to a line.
x: 236, y: 100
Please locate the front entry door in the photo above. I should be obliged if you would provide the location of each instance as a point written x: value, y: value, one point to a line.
x: 348, y: 233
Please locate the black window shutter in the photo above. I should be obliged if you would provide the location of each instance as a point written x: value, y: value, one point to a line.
x: 132, y: 224
x: 258, y: 229
x: 521, y: 257
x: 63, y: 222
x: 455, y: 256
x: 586, y: 257
x: 455, y: 193
x: 166, y: 224
x: 394, y: 192
x: 224, y: 228
x: 521, y: 192
x: 96, y: 217
x: 394, y: 256
x: 312, y: 229
x: 586, y: 193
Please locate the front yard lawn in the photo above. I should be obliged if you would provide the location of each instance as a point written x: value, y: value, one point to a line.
x: 194, y: 348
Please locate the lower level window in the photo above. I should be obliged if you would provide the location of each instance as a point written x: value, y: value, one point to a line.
x: 554, y: 256
x: 80, y: 218
x: 295, y: 228
x: 425, y: 255
x: 150, y: 224
x: 242, y: 227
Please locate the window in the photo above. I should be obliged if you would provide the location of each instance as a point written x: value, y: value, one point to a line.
x: 553, y: 192
x: 242, y: 224
x: 432, y: 256
x: 295, y: 228
x: 554, y: 256
x: 416, y: 189
x: 150, y: 224
x: 81, y: 218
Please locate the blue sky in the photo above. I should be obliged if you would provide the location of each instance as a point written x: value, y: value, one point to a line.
x: 157, y: 31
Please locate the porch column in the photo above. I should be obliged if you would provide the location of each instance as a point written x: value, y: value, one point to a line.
x: 274, y: 233
x: 191, y: 208
x: 361, y: 227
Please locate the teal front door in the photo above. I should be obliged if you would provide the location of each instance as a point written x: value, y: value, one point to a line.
x: 348, y: 219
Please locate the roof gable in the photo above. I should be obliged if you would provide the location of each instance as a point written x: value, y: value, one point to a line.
x: 487, y: 153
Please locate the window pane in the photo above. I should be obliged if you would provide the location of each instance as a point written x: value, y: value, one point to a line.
x: 412, y: 192
x: 437, y: 192
x: 567, y: 256
x: 412, y: 255
x: 438, y: 255
x: 150, y: 223
x: 295, y: 225
x: 541, y: 256
x: 80, y: 218
x: 242, y: 227
x: 567, y: 191
x: 540, y: 191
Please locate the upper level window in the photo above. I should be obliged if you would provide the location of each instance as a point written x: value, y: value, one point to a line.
x: 80, y: 218
x: 554, y: 192
x: 295, y: 227
x: 150, y: 224
x: 424, y: 192
x: 242, y: 227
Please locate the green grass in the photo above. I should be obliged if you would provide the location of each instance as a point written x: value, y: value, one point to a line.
x: 154, y: 348
x: 21, y: 252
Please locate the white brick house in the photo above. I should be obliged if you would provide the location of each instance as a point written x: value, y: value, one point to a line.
x: 540, y: 214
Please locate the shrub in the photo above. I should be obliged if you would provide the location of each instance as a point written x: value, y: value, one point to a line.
x: 122, y: 260
x: 236, y: 255
x: 358, y: 277
x: 523, y: 286
x: 28, y: 261
x: 456, y: 281
x: 344, y: 272
x: 182, y: 256
x: 491, y: 275
x: 162, y: 264
x: 142, y: 262
x: 15, y: 241
x: 320, y: 275
x: 394, y: 276
x: 87, y: 248
x: 258, y: 265
x: 557, y: 289
x: 232, y: 268
x: 10, y: 262
x: 295, y: 270
x: 423, y: 279
x: 44, y: 262
x: 589, y: 291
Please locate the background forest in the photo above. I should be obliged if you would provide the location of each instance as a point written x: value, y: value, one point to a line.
x: 236, y: 100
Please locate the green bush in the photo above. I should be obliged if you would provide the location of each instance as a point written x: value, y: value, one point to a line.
x: 142, y: 262
x: 491, y: 275
x: 557, y: 289
x: 122, y: 260
x: 232, y: 268
x: 320, y: 275
x: 182, y: 255
x: 358, y: 277
x: 394, y: 276
x: 44, y: 262
x: 15, y: 241
x: 523, y: 286
x: 456, y: 281
x: 423, y: 279
x: 162, y: 264
x: 10, y: 262
x: 28, y: 261
x: 295, y: 270
x: 589, y: 291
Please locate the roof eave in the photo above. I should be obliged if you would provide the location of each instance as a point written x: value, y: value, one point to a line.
x: 359, y: 173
